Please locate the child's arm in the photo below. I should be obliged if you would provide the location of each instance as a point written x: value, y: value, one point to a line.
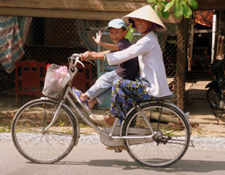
x: 108, y: 46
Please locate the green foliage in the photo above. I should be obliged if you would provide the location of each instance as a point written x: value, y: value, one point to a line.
x: 169, y: 5
x: 187, y: 11
x: 193, y: 4
x: 181, y: 7
x: 178, y: 9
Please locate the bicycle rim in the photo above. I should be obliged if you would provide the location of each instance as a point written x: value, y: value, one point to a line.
x: 171, y: 140
x: 29, y: 138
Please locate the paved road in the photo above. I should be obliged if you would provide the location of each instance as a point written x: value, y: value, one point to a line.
x: 95, y: 159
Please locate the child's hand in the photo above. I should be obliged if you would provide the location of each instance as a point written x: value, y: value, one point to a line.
x: 98, y: 37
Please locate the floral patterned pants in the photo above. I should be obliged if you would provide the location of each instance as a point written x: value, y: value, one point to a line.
x: 124, y: 92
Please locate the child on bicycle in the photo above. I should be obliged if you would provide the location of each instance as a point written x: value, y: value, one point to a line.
x: 126, y: 70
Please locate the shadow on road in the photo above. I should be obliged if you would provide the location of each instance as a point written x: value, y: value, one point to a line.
x: 181, y: 166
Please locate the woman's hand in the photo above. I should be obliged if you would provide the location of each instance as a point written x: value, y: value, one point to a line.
x: 86, y: 56
x: 98, y: 37
x: 92, y: 55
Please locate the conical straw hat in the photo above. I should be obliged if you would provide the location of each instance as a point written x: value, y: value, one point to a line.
x: 146, y: 13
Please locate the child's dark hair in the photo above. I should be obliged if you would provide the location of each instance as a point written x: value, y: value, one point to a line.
x: 124, y: 28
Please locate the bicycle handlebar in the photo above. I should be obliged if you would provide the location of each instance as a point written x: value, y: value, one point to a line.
x: 74, y: 59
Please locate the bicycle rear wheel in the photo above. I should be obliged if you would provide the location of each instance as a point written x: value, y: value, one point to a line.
x: 28, y: 131
x: 170, y: 137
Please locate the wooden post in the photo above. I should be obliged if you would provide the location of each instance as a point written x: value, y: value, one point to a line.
x: 181, y: 62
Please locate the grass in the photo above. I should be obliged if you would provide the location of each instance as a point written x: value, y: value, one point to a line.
x: 60, y: 123
x: 5, y: 129
x: 83, y: 125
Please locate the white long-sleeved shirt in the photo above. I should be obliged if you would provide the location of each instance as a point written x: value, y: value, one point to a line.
x: 150, y: 62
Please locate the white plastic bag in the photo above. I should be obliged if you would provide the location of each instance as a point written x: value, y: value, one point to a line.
x: 56, y: 79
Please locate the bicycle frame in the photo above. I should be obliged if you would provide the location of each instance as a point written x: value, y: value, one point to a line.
x: 109, y: 135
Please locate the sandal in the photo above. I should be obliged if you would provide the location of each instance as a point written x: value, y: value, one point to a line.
x: 100, y: 120
x: 84, y: 104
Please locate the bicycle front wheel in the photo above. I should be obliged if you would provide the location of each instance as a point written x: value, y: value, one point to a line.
x: 169, y: 140
x: 41, y: 146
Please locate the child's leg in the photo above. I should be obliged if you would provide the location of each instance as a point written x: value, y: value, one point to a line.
x: 103, y: 96
x: 99, y: 99
x: 100, y: 90
x: 102, y: 84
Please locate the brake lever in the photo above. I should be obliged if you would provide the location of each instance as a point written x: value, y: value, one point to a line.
x: 80, y: 62
x: 91, y: 62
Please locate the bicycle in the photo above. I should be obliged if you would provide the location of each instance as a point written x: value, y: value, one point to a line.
x: 154, y: 133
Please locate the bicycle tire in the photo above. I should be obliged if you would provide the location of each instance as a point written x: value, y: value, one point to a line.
x: 212, y: 97
x: 29, y: 138
x: 173, y: 128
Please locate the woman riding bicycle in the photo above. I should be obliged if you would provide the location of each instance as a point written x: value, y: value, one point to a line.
x: 152, y: 82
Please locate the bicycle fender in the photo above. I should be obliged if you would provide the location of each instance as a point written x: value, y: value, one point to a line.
x: 168, y: 103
